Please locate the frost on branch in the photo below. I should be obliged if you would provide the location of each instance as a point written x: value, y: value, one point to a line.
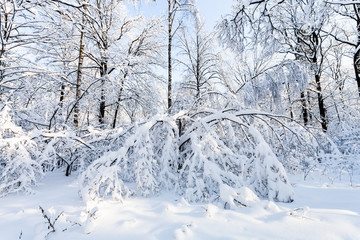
x: 19, y: 169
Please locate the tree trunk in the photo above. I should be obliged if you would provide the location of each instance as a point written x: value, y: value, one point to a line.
x: 62, y: 95
x: 103, y: 73
x: 170, y: 22
x: 79, y: 75
x: 198, y: 62
x: 304, y: 108
x: 356, y: 59
x: 118, y: 102
x: 304, y: 103
x: 309, y: 107
x: 290, y: 102
x: 4, y: 39
x: 116, y: 111
x: 357, y: 69
x: 322, y: 109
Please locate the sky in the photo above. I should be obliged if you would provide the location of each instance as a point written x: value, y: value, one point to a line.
x: 210, y: 10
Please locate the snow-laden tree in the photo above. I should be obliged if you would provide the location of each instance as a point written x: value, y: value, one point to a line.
x: 271, y: 180
x: 255, y: 70
x: 220, y: 149
x: 347, y: 31
x: 217, y: 152
x: 250, y: 16
x: 65, y: 150
x: 19, y: 165
x: 50, y: 93
x: 147, y: 159
x: 302, y: 24
x: 76, y: 38
x: 137, y: 93
x: 296, y: 32
x: 207, y: 164
x: 17, y: 17
x: 123, y: 51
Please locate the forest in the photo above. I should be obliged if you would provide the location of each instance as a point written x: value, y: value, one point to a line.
x: 134, y: 107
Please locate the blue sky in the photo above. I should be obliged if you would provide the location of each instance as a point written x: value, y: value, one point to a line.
x: 210, y: 10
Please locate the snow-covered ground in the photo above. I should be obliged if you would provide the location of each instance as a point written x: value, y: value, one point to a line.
x: 320, y: 211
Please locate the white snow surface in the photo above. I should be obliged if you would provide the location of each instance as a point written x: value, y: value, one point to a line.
x: 320, y: 211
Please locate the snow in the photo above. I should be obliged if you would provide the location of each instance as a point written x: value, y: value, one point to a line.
x: 320, y: 211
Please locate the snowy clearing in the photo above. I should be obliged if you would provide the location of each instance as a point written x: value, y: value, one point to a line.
x: 320, y: 211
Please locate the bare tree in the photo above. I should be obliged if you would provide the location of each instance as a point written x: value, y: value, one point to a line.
x: 200, y: 61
